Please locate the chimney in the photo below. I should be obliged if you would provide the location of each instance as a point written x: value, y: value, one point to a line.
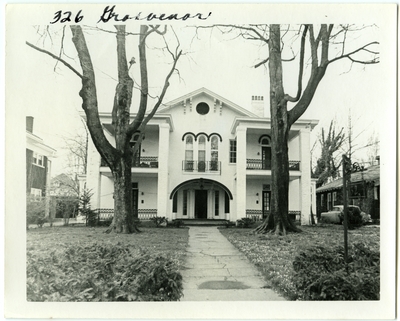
x: 257, y: 105
x: 29, y: 124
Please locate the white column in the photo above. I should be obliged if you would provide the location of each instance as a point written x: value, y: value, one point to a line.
x: 241, y: 163
x: 162, y: 185
x: 93, y: 176
x: 305, y: 179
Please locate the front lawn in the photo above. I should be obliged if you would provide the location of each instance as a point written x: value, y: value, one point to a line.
x: 85, y: 264
x: 274, y: 255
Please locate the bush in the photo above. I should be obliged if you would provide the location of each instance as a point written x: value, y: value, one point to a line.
x: 157, y: 220
x: 35, y: 211
x: 101, y: 273
x: 354, y: 217
x: 321, y: 274
x: 244, y: 222
x: 177, y: 223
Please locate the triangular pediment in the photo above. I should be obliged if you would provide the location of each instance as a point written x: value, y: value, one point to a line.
x: 220, y: 101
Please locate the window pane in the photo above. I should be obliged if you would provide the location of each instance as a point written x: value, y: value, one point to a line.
x: 216, y: 209
x: 189, y: 142
x: 214, y: 142
x: 232, y: 151
x: 202, y: 142
x: 189, y: 155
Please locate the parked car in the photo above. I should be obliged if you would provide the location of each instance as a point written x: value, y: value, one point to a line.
x: 336, y: 215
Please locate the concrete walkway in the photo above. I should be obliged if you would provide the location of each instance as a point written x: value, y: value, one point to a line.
x: 217, y: 271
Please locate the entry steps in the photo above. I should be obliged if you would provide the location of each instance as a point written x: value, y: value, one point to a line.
x: 204, y: 222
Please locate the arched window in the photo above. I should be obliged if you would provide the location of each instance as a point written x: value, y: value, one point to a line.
x: 202, y: 154
x: 214, y: 153
x: 189, y: 153
x: 265, y: 142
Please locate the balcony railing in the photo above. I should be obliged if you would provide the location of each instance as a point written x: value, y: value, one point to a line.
x: 144, y: 161
x: 201, y: 166
x: 258, y: 164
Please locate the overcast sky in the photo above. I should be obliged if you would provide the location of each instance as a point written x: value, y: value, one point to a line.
x: 218, y: 62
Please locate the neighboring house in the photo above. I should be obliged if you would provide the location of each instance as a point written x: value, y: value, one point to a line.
x: 64, y: 193
x: 38, y: 163
x: 63, y: 185
x: 364, y: 192
x: 204, y: 157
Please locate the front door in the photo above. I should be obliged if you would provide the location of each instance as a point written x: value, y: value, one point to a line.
x: 266, y: 157
x: 266, y: 203
x: 200, y: 206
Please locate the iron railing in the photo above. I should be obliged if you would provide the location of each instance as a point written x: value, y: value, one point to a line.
x: 144, y: 161
x: 104, y: 214
x: 201, y: 166
x: 259, y: 164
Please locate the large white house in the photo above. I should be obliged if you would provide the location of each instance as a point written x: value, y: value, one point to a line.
x: 204, y: 157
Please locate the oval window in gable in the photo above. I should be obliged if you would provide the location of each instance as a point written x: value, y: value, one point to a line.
x: 202, y: 108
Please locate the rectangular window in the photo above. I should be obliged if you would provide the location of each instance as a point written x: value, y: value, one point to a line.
x: 216, y: 208
x: 334, y: 199
x: 36, y: 193
x: 185, y: 200
x: 232, y: 151
x: 329, y: 201
x: 322, y: 200
x: 38, y: 159
x: 226, y: 203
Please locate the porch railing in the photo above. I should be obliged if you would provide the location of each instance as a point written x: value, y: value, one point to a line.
x: 104, y: 214
x: 257, y: 215
x: 258, y: 164
x: 201, y: 166
x: 144, y: 161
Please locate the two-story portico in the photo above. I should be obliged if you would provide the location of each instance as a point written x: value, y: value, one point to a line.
x: 204, y: 157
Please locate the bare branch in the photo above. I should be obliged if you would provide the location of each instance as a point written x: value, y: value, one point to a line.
x: 300, y: 78
x: 259, y: 36
x: 363, y: 48
x: 55, y: 57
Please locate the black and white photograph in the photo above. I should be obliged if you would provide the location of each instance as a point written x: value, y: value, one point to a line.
x: 200, y: 161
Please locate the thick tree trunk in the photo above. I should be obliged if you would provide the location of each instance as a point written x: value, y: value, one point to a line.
x: 278, y: 221
x: 124, y: 218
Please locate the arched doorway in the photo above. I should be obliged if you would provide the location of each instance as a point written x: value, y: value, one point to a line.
x: 201, y: 199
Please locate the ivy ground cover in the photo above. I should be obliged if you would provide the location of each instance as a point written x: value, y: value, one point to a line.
x: 274, y: 255
x: 84, y: 264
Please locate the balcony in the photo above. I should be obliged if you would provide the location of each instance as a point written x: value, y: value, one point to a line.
x: 144, y: 162
x: 259, y: 164
x: 202, y: 166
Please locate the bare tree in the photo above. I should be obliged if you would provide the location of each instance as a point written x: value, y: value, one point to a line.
x: 322, y: 40
x: 328, y: 165
x: 77, y: 146
x: 373, y: 148
x: 119, y: 157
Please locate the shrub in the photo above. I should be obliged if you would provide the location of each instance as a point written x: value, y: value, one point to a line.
x: 157, y: 220
x: 354, y: 217
x: 101, y: 273
x: 84, y: 208
x: 35, y: 211
x: 321, y: 273
x: 244, y: 222
x: 177, y: 223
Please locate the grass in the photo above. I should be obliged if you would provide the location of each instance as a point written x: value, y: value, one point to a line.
x: 167, y: 241
x: 274, y: 255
